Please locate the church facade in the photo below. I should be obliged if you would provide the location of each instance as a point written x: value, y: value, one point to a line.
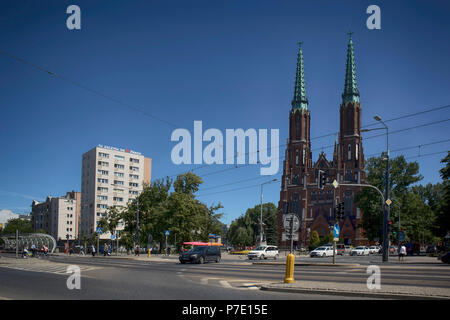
x: 300, y: 193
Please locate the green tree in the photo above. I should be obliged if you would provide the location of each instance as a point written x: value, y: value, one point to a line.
x: 24, y: 226
x: 250, y: 222
x: 314, y: 241
x: 443, y: 207
x: 402, y: 176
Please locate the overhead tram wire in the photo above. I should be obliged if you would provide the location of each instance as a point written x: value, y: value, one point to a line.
x: 84, y: 87
x: 330, y: 146
x: 75, y: 83
x: 334, y: 133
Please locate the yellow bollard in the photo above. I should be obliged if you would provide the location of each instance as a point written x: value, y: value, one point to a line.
x: 149, y: 253
x: 289, y: 277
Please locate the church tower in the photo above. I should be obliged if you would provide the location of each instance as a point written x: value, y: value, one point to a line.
x: 298, y: 151
x: 349, y: 153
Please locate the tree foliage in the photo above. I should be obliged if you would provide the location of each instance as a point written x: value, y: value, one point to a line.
x: 162, y: 208
x: 24, y: 226
x: 414, y: 207
x: 245, y: 230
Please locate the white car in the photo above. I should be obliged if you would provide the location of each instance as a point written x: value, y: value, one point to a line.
x: 322, y: 252
x: 360, y: 251
x: 374, y: 249
x: 263, y: 252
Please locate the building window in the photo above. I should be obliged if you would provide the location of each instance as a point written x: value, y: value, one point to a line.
x: 356, y: 151
x: 119, y: 157
x: 349, y: 152
x: 102, y: 180
x: 100, y: 197
x: 103, y: 155
x: 134, y: 168
x: 103, y: 172
x: 118, y: 174
x: 296, y: 157
x: 134, y: 160
x: 118, y: 182
x: 133, y: 184
x: 102, y: 189
x: 103, y: 163
x: 134, y: 176
x: 119, y: 199
x: 119, y: 166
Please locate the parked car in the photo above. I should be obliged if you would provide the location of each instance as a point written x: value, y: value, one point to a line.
x: 340, y: 249
x: 263, y: 252
x: 323, y: 251
x: 360, y: 251
x: 201, y: 254
x: 374, y: 249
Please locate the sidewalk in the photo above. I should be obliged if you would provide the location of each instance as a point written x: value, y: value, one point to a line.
x: 359, y: 290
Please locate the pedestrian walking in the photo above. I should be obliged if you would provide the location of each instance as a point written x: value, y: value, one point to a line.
x: 93, y: 250
x: 402, y: 253
x: 105, y: 250
x: 136, y: 251
x: 25, y: 252
x: 33, y: 250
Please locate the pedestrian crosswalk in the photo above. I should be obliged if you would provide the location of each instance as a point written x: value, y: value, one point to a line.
x: 53, y: 268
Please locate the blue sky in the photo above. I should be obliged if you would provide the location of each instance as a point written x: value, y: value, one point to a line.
x: 230, y: 64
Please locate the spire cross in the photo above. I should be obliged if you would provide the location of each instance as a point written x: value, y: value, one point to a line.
x: 350, y: 34
x: 300, y: 44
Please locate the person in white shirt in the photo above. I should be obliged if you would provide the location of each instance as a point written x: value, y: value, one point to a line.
x: 402, y: 253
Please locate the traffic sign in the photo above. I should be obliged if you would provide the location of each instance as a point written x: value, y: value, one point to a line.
x: 335, y: 184
x: 388, y: 202
x: 99, y: 230
x: 336, y: 230
x: 401, y: 235
x: 287, y: 222
x: 113, y: 237
x: 167, y: 232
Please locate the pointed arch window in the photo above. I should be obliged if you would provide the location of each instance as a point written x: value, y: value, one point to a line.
x: 297, y: 127
x: 296, y: 157
x: 356, y: 151
x: 349, y: 152
x: 303, y: 158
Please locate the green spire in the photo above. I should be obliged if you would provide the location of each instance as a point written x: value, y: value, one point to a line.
x: 351, y: 93
x: 300, y: 101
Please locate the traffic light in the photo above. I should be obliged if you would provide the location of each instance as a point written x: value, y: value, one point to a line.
x: 340, y: 211
x: 321, y: 179
x: 389, y: 226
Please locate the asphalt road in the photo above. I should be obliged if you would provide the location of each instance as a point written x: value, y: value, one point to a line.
x: 103, y: 278
x: 232, y: 279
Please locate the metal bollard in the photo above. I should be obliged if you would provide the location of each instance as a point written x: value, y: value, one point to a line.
x: 149, y: 253
x: 289, y: 277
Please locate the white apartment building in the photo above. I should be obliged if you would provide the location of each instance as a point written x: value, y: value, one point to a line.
x: 110, y: 177
x: 57, y: 216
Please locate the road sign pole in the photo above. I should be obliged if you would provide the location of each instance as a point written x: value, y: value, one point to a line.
x: 17, y: 243
x: 334, y: 252
x: 292, y: 233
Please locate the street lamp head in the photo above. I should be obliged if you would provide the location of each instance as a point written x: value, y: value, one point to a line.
x: 377, y: 118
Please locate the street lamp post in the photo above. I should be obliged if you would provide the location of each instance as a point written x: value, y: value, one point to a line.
x: 260, y: 219
x: 386, y: 206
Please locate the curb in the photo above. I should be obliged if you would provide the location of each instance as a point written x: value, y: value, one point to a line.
x: 305, y: 264
x: 365, y: 294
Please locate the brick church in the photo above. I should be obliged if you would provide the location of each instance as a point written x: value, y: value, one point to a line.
x: 300, y: 193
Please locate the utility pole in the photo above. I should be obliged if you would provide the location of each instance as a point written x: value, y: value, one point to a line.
x: 17, y: 243
x: 386, y: 210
